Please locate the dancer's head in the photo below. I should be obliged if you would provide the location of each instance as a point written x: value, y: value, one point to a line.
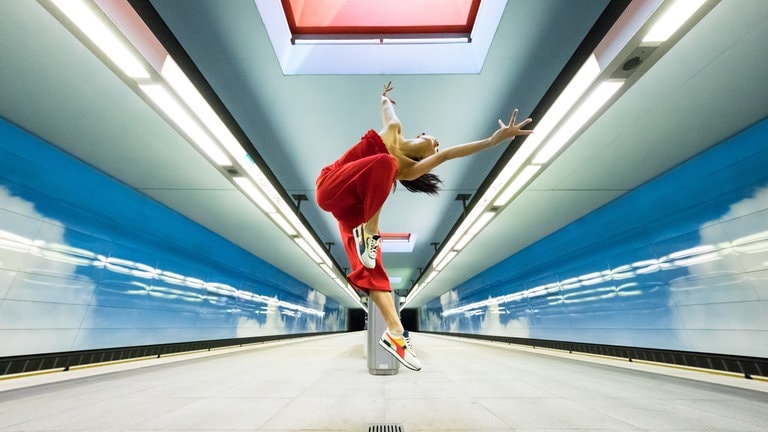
x: 420, y: 147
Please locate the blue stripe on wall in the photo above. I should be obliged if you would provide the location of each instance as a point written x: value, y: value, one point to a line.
x: 87, y: 262
x: 679, y: 263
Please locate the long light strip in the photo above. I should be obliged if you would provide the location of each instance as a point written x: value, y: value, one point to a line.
x: 450, y: 256
x: 579, y: 118
x: 448, y: 247
x: 185, y: 107
x: 561, y: 122
x: 247, y: 186
x: 328, y: 270
x: 176, y: 113
x: 418, y: 288
x: 565, y: 102
x: 282, y: 223
x: 562, y: 105
x: 307, y: 249
x: 672, y: 20
x: 176, y: 78
x: 516, y: 185
x: 482, y: 221
x: 84, y: 17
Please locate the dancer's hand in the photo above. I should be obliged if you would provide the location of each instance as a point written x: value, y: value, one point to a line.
x: 387, y: 89
x: 511, y: 130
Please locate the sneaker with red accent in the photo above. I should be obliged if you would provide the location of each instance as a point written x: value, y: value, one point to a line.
x: 401, y: 348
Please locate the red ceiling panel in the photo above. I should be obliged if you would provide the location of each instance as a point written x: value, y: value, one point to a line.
x: 376, y: 17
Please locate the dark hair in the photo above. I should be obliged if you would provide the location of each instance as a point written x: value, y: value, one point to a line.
x: 428, y: 183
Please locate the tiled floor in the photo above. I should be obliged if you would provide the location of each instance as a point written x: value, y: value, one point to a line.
x: 323, y: 384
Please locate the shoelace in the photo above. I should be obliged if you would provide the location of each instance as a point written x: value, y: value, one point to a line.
x: 408, y: 345
x: 373, y: 245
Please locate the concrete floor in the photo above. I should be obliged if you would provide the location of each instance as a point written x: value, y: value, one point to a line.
x: 323, y: 384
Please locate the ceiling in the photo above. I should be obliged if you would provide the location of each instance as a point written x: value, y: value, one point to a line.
x: 708, y: 86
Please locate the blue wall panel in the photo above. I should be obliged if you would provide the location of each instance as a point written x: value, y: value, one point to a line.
x: 86, y: 262
x: 679, y: 263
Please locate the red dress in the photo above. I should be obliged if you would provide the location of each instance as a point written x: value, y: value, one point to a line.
x: 353, y: 189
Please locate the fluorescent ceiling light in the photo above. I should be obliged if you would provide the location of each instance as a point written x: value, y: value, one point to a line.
x: 451, y: 255
x: 250, y: 190
x: 578, y: 118
x: 182, y: 105
x: 514, y: 187
x: 562, y: 105
x: 329, y: 271
x: 673, y: 19
x: 565, y: 102
x: 168, y: 104
x: 473, y: 230
x: 511, y: 168
x: 309, y: 240
x: 308, y: 250
x: 430, y: 277
x: 447, y: 247
x: 178, y: 80
x: 282, y: 223
x: 100, y: 34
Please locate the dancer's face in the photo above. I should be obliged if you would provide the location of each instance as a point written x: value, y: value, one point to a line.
x: 422, y: 146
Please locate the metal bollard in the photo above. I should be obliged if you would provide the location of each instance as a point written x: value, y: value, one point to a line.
x: 380, y: 362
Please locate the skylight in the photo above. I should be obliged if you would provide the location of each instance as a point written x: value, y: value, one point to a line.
x: 377, y: 20
x: 381, y: 37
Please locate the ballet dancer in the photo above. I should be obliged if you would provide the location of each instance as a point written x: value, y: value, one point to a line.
x: 355, y: 187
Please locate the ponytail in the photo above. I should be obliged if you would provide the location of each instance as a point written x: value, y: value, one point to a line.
x: 428, y: 183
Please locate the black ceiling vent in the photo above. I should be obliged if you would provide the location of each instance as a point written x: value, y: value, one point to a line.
x: 633, y: 61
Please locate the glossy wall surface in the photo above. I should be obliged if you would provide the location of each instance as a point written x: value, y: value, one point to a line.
x: 87, y: 263
x: 680, y: 263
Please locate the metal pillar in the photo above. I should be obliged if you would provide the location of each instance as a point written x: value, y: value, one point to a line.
x: 380, y: 362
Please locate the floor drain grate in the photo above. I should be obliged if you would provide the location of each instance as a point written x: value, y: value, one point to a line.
x: 386, y: 428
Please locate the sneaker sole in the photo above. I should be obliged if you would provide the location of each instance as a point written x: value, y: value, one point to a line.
x: 394, y: 354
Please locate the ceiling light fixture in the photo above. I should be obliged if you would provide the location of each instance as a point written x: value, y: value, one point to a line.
x: 676, y: 15
x: 247, y: 186
x: 187, y: 91
x: 88, y: 20
x: 592, y: 89
x: 169, y: 105
x: 578, y: 118
x: 517, y: 185
x: 116, y: 30
x: 481, y: 222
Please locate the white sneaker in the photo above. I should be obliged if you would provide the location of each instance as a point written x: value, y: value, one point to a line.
x: 401, y: 348
x: 367, y: 246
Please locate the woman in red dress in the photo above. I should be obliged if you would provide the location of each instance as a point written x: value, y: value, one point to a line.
x: 355, y: 187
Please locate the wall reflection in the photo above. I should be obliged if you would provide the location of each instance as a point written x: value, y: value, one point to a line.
x: 680, y: 263
x: 600, y: 285
x: 180, y: 287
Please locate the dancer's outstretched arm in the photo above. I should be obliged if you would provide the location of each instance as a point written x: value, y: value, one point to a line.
x: 389, y: 118
x: 503, y: 133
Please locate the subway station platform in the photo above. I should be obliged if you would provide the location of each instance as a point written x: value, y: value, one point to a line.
x: 323, y: 384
